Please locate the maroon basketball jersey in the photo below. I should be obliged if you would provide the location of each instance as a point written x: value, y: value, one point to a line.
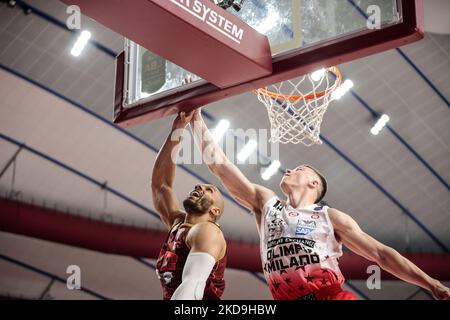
x: 171, y: 260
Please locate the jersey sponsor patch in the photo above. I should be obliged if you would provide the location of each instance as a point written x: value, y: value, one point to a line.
x: 293, y: 214
x: 278, y: 205
x: 275, y: 209
x: 305, y: 227
x: 304, y: 243
x: 276, y: 227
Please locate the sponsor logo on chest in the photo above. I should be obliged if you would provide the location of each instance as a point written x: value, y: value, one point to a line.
x: 305, y: 227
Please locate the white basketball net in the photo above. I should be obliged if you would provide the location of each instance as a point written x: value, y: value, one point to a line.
x: 296, y: 107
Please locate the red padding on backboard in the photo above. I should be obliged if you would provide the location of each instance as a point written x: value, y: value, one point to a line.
x: 194, y: 34
x: 289, y: 66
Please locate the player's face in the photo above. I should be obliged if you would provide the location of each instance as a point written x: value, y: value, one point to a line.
x: 201, y: 198
x: 297, y: 177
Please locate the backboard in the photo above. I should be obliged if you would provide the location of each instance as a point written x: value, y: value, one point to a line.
x: 304, y: 35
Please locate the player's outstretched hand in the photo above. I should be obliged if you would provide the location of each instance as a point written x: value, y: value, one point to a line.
x: 183, y: 119
x: 440, y: 292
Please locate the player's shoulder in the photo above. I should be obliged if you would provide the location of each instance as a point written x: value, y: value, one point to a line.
x: 205, y: 232
x: 334, y: 213
x: 205, y: 229
x: 339, y: 218
x: 265, y: 196
x: 264, y: 193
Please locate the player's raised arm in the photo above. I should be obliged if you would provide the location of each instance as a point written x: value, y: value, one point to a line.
x: 163, y: 175
x: 250, y: 195
x: 386, y: 257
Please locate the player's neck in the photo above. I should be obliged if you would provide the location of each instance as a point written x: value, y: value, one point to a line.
x: 196, y: 218
x: 298, y: 200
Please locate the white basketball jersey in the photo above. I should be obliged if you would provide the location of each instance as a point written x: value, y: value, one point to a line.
x: 298, y: 249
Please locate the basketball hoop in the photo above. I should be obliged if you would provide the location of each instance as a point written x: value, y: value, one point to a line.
x: 296, y: 117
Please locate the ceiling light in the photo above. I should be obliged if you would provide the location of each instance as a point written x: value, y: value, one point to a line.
x: 342, y: 90
x: 269, y: 22
x: 380, y: 124
x: 247, y: 150
x: 318, y: 75
x: 220, y: 130
x: 80, y: 43
x: 271, y: 170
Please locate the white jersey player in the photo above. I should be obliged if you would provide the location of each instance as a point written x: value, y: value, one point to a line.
x: 300, y: 240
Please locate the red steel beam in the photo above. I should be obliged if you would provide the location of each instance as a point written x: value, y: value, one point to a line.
x: 48, y: 224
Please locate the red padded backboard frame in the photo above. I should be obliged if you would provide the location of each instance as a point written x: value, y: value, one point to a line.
x: 194, y: 34
x: 409, y: 30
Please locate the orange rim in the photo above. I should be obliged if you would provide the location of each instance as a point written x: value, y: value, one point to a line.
x: 311, y: 96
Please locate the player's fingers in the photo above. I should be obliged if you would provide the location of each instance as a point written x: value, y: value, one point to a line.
x: 187, y: 79
x: 447, y: 295
x: 190, y: 114
x: 444, y: 294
